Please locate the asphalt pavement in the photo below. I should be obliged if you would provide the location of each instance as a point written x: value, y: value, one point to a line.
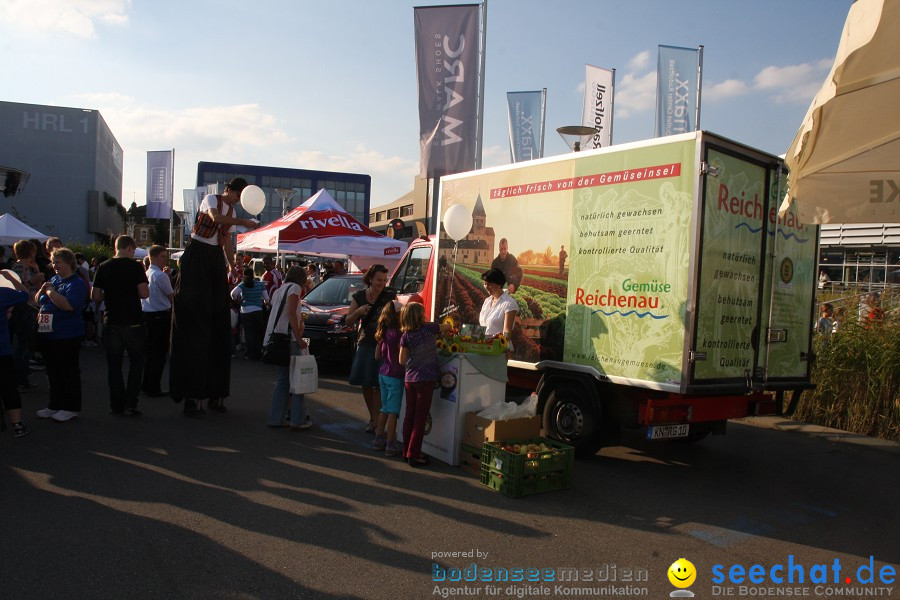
x: 164, y: 506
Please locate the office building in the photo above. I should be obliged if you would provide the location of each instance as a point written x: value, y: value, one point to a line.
x: 288, y: 188
x: 75, y: 163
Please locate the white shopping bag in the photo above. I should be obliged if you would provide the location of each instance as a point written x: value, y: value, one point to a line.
x: 304, y: 374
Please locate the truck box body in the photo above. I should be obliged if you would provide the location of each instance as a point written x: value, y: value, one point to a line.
x: 668, y: 248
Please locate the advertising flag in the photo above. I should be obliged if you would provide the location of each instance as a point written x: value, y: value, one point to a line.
x: 159, y: 184
x: 192, y: 199
x: 599, y: 89
x: 677, y: 90
x: 447, y: 68
x: 526, y: 125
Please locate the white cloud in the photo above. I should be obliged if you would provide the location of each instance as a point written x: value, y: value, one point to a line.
x: 635, y: 93
x: 243, y: 134
x: 727, y: 89
x: 639, y: 61
x: 68, y: 17
x: 392, y: 176
x: 793, y: 83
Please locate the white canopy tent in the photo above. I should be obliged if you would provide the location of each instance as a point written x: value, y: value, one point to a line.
x: 12, y: 230
x: 845, y: 160
x: 322, y: 227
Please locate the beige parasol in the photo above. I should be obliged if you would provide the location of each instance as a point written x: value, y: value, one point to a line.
x: 845, y: 160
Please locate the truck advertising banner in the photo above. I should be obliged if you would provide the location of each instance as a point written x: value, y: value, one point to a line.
x: 794, y: 281
x: 596, y: 249
x: 730, y: 270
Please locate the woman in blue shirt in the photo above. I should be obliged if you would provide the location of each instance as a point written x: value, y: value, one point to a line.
x: 60, y: 329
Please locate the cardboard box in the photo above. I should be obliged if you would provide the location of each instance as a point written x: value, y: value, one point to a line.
x: 479, y: 430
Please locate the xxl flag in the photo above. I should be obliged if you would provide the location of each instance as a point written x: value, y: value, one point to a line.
x: 447, y: 69
x: 159, y: 184
x: 677, y: 90
x: 599, y: 89
x: 526, y: 124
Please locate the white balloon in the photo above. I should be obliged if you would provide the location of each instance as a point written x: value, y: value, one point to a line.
x: 457, y: 222
x: 253, y: 199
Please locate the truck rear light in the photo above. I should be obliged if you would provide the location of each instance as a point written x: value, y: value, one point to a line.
x: 668, y: 414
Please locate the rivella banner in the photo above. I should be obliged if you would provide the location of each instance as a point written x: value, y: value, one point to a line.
x: 599, y: 87
x: 677, y: 90
x: 159, y: 184
x: 526, y: 125
x: 447, y: 71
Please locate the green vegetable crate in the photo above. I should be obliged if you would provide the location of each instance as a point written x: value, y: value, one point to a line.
x: 544, y: 465
x: 470, y: 459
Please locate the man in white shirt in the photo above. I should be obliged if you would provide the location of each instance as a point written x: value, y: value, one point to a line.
x: 157, y: 309
x: 200, y: 363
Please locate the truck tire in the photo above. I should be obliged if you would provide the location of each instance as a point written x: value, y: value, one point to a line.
x: 570, y: 417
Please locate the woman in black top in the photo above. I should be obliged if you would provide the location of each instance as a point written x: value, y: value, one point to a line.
x: 365, y: 306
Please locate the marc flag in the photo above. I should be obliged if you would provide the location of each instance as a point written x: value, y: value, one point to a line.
x: 159, y: 184
x: 599, y: 89
x: 677, y: 90
x: 447, y: 68
x: 526, y: 125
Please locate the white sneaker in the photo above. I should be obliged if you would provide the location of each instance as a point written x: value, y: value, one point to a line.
x: 46, y: 413
x: 64, y: 415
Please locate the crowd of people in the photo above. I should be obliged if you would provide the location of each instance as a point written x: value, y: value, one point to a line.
x: 55, y: 305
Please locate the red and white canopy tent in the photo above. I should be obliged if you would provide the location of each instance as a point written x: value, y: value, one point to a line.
x: 321, y: 226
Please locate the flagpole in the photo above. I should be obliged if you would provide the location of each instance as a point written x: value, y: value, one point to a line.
x: 479, y: 138
x: 543, y: 119
x: 699, y: 86
x: 172, y: 198
x: 612, y: 108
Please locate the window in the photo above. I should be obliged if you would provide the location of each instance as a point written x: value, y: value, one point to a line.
x: 393, y: 213
x: 381, y: 216
x: 406, y: 211
x: 372, y: 218
x: 410, y: 275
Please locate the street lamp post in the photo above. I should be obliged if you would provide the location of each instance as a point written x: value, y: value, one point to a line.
x: 576, y: 135
x: 286, y: 194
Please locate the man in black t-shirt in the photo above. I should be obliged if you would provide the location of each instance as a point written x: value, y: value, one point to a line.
x: 121, y: 283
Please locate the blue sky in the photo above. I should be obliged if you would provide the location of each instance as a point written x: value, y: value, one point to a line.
x: 331, y: 84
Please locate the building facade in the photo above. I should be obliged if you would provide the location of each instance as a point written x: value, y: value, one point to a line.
x: 863, y: 255
x: 410, y: 208
x: 350, y: 190
x: 75, y: 162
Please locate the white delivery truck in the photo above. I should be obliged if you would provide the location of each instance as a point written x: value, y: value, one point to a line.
x: 657, y: 286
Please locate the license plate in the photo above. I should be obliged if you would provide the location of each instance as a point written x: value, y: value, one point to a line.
x: 666, y: 432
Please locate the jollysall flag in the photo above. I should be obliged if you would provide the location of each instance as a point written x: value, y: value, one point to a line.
x: 598, y: 104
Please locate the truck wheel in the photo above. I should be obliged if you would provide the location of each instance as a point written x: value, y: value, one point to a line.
x: 570, y: 418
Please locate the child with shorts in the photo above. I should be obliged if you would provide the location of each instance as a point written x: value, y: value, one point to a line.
x: 390, y: 379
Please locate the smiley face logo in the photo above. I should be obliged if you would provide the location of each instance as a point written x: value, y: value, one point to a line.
x: 682, y: 573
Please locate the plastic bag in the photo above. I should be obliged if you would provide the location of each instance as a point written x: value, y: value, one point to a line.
x: 504, y: 411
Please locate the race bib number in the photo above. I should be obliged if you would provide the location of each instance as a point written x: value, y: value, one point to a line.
x: 45, y: 322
